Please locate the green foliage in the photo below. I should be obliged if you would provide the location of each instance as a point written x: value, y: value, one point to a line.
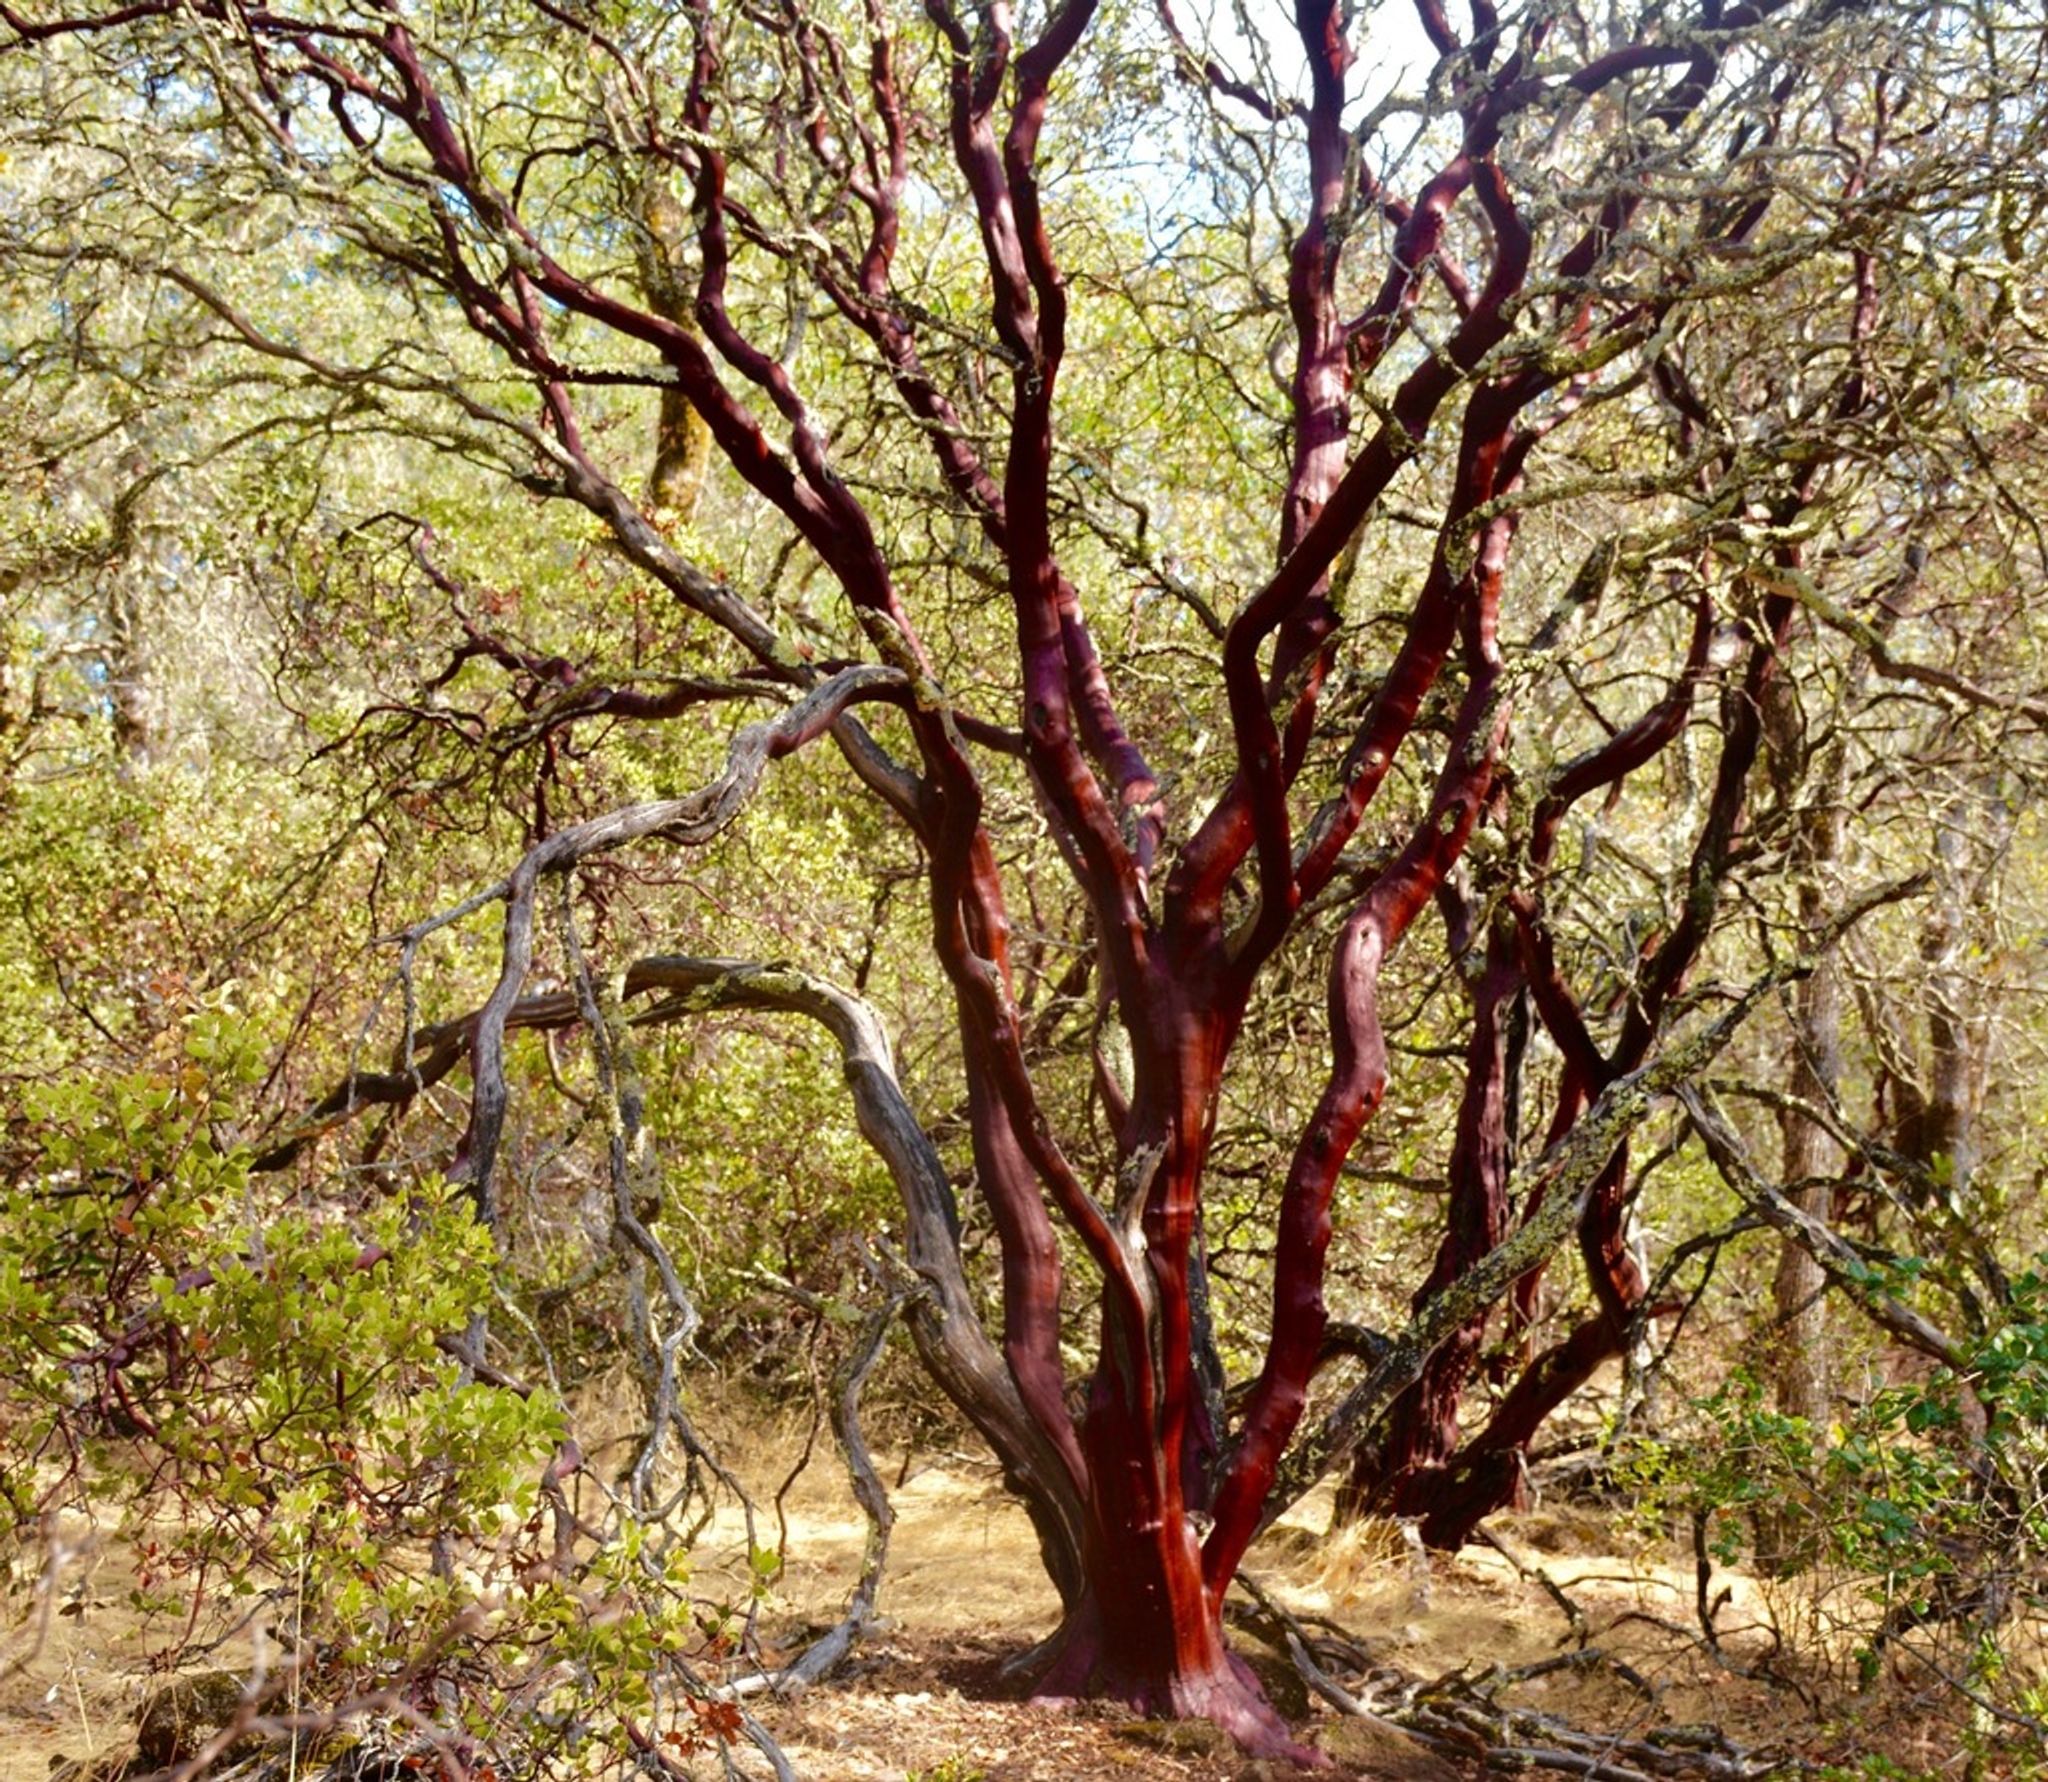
x: 280, y: 1354
x: 1927, y: 1497
x: 258, y: 1381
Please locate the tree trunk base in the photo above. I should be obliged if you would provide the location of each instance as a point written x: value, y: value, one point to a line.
x: 1221, y: 1689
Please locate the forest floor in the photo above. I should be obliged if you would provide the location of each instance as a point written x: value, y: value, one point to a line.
x: 925, y: 1697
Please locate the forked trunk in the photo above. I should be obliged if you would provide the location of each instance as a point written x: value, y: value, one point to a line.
x: 1147, y: 1631
x: 1146, y: 1628
x: 1138, y: 1641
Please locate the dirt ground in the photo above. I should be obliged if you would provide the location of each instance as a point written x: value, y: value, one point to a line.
x: 926, y: 1697
x: 965, y: 1591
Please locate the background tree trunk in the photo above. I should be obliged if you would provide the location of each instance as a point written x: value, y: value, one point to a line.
x: 1799, y: 1344
x: 1802, y: 1348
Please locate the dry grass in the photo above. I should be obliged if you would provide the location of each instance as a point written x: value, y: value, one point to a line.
x: 926, y: 1699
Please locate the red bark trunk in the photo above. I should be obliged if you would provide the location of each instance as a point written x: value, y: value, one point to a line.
x: 1148, y: 1630
x: 1401, y: 1473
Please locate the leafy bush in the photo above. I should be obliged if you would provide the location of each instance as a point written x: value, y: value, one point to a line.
x: 1914, y: 1525
x: 262, y: 1384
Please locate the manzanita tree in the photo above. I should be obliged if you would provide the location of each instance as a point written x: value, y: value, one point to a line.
x: 1613, y: 306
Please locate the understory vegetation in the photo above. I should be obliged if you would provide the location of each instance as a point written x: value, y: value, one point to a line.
x: 1266, y: 776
